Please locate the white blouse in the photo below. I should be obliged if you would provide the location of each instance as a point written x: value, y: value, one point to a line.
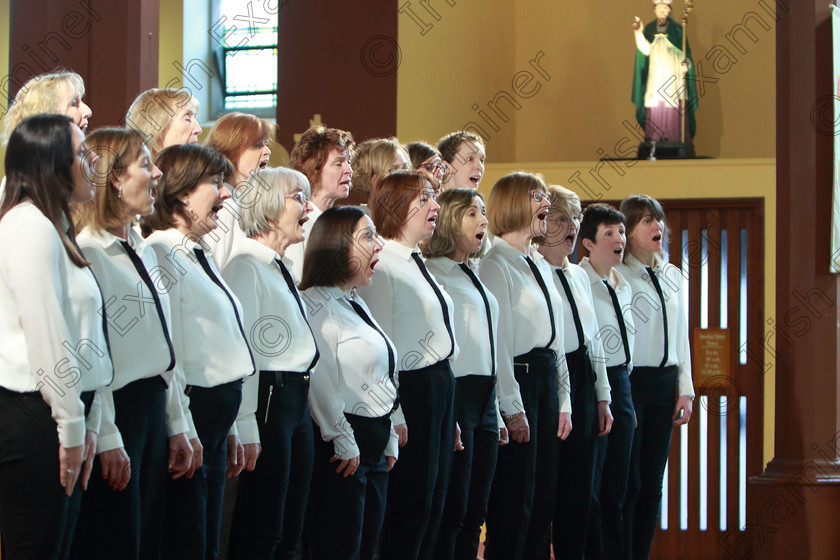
x: 352, y: 374
x: 279, y: 336
x: 210, y: 349
x: 471, y: 326
x: 609, y: 332
x: 646, y: 309
x: 51, y: 329
x: 138, y: 344
x: 579, y: 286
x: 524, y: 323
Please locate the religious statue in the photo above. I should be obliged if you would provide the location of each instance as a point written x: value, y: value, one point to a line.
x: 664, y: 88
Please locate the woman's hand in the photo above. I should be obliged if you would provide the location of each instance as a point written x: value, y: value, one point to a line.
x: 197, y: 458
x: 459, y: 445
x: 605, y: 418
x: 349, y: 466
x: 391, y: 461
x: 682, y: 412
x: 564, y: 425
x: 69, y: 466
x: 252, y: 453
x: 116, y: 468
x: 235, y: 456
x: 402, y: 433
x: 518, y: 428
x: 180, y: 455
x: 90, y: 453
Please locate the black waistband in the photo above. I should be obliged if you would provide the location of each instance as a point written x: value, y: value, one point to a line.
x: 437, y: 366
x: 281, y: 377
x: 617, y: 370
x: 236, y: 383
x: 654, y: 370
x: 147, y: 383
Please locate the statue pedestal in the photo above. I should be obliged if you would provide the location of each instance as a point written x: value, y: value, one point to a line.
x: 666, y: 150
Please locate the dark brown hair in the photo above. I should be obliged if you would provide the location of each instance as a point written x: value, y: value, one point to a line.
x: 595, y: 215
x: 39, y: 166
x: 634, y: 209
x: 327, y: 260
x: 184, y: 167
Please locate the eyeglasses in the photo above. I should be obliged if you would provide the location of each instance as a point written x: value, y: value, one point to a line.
x: 299, y: 197
x: 432, y: 167
x: 564, y: 220
x: 539, y: 196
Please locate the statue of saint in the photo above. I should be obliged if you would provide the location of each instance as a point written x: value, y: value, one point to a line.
x: 664, y: 89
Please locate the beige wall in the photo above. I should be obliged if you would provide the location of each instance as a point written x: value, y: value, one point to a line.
x: 578, y: 103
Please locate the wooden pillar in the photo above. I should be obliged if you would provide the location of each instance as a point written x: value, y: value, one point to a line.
x: 338, y: 60
x: 112, y: 45
x: 793, y: 507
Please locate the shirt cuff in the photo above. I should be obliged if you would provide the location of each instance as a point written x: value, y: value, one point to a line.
x: 249, y: 432
x: 109, y: 442
x: 71, y: 432
x: 345, y: 447
x: 511, y: 405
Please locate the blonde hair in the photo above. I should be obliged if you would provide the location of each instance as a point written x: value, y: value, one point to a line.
x: 373, y: 161
x: 509, y: 203
x: 47, y: 93
x: 564, y: 202
x: 454, y: 203
x: 152, y: 112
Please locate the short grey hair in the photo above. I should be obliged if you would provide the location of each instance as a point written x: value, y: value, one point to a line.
x: 263, y: 197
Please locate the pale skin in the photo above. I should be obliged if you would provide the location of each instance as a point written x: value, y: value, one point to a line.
x: 286, y: 229
x: 644, y: 242
x: 561, y: 236
x: 135, y: 185
x: 365, y: 250
x: 419, y: 225
x: 473, y: 229
x: 206, y: 200
x: 518, y: 428
x: 335, y: 179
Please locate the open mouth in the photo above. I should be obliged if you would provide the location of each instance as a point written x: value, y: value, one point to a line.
x: 657, y: 238
x: 217, y: 207
x: 618, y: 251
x: 433, y: 220
x: 542, y: 215
x: 373, y: 264
x: 263, y: 164
x: 475, y: 179
x: 303, y: 221
x: 480, y: 236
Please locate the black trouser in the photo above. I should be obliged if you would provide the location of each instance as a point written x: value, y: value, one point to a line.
x: 576, y: 470
x: 264, y: 517
x: 345, y: 512
x: 418, y: 482
x: 75, y: 503
x: 128, y: 523
x: 610, y: 487
x: 33, y: 505
x: 472, y: 468
x: 524, y: 470
x: 194, y: 505
x: 654, y: 398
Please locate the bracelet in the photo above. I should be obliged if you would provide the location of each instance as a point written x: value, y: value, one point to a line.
x: 511, y: 416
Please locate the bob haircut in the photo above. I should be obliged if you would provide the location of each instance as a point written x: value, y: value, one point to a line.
x: 47, y: 93
x: 152, y: 112
x: 635, y: 208
x: 259, y: 215
x: 509, y: 204
x: 595, y: 215
x: 564, y: 202
x: 448, y: 145
x: 312, y: 150
x: 373, y: 161
x: 117, y: 149
x: 235, y: 132
x: 327, y: 259
x: 39, y: 166
x: 391, y: 199
x: 420, y: 152
x: 454, y: 203
x: 184, y: 167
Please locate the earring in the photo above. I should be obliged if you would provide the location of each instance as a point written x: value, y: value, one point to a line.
x: 119, y: 192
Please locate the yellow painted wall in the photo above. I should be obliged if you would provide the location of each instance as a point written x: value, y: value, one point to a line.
x: 5, y: 16
x: 476, y: 49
